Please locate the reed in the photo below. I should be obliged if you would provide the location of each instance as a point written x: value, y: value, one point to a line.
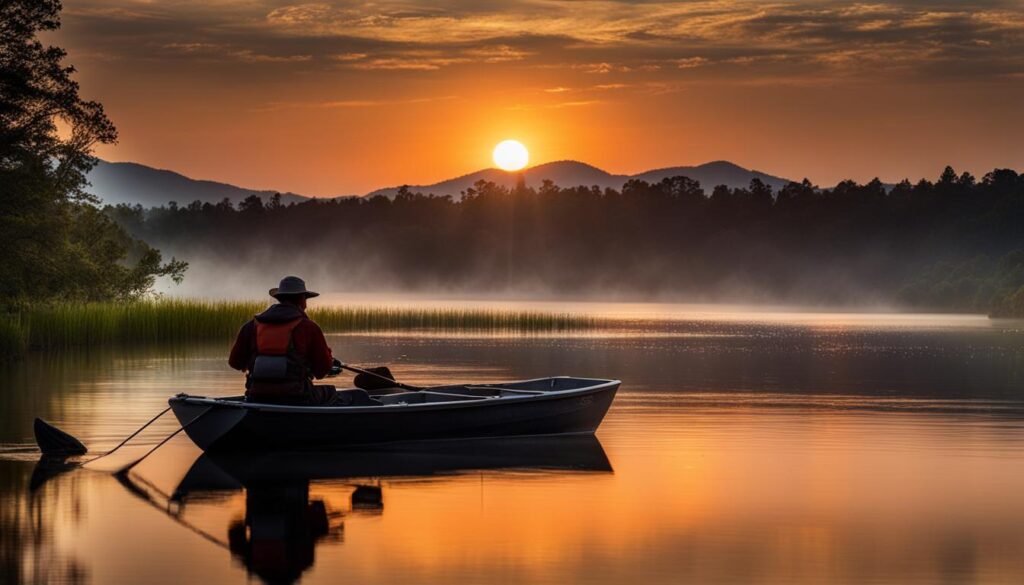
x: 183, y: 320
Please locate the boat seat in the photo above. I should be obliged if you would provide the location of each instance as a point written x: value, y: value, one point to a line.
x: 483, y: 391
x: 354, y: 397
x: 421, y: 397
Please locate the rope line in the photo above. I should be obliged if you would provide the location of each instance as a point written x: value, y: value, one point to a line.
x: 128, y: 467
x: 130, y: 437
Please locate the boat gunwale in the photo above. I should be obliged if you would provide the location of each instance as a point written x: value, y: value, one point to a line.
x: 602, y: 384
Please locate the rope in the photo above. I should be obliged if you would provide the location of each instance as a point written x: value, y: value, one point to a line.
x: 130, y: 483
x: 131, y: 436
x: 128, y: 467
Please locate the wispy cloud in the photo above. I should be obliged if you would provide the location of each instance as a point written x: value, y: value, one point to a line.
x: 690, y: 62
x: 927, y: 38
x: 217, y: 51
x: 347, y: 103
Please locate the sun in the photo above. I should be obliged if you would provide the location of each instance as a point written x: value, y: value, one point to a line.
x: 511, y: 155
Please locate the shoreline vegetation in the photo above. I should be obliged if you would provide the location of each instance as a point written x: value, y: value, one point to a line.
x: 67, y: 325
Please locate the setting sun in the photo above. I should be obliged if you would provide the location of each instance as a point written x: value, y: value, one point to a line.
x: 511, y: 155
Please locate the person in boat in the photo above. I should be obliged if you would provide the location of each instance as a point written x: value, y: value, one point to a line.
x: 282, y: 351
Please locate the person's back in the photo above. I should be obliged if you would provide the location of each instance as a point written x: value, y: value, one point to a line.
x: 282, y: 350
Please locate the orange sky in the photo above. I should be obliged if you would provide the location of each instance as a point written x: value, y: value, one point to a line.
x: 337, y: 98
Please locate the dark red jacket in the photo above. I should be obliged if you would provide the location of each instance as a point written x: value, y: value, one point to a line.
x: 307, y: 336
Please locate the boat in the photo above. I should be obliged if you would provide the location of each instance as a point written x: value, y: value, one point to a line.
x: 544, y: 406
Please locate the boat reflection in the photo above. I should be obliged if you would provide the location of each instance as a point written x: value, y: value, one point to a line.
x: 277, y: 535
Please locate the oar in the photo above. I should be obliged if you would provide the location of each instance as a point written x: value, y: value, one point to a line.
x: 53, y: 441
x: 56, y: 443
x: 382, y: 377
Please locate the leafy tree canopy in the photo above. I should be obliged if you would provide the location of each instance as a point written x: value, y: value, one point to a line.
x: 54, y: 243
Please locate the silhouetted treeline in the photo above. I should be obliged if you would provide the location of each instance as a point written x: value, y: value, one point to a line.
x: 939, y: 245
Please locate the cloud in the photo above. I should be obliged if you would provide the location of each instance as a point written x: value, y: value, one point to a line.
x: 215, y: 51
x: 397, y: 64
x: 496, y: 53
x: 690, y: 62
x: 254, y: 57
x: 345, y: 57
x: 429, y: 59
x: 347, y: 103
x: 604, y: 68
x: 613, y: 38
x: 575, y: 104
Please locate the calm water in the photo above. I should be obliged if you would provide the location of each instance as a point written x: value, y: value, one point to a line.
x: 742, y: 448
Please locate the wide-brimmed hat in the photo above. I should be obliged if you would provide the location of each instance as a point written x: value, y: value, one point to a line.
x: 292, y: 285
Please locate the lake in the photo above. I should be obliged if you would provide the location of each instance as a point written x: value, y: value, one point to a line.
x: 744, y: 446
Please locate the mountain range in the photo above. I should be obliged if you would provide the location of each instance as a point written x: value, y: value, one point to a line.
x: 570, y: 173
x: 132, y: 183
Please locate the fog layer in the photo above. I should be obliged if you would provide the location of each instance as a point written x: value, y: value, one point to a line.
x: 944, y: 245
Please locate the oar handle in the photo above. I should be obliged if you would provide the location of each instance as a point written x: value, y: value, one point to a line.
x: 380, y: 377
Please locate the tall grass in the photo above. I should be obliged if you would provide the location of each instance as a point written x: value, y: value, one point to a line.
x: 180, y: 321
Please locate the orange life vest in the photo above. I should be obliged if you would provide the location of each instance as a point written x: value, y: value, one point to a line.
x: 277, y: 373
x: 275, y: 338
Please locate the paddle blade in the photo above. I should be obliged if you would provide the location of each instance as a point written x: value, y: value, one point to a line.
x: 53, y: 441
x: 370, y: 382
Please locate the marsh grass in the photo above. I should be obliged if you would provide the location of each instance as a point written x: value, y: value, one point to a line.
x: 181, y: 321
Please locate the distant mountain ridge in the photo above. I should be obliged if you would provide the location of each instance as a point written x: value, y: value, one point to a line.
x: 569, y: 173
x: 133, y: 183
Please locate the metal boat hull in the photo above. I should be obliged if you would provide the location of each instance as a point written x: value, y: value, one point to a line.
x: 234, y: 425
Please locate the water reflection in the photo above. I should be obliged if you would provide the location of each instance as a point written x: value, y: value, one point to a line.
x: 32, y: 514
x: 829, y: 450
x: 716, y: 494
x: 276, y: 535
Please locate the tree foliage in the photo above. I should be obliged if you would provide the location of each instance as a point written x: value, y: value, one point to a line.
x: 54, y: 242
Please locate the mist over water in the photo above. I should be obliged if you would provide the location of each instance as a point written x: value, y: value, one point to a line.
x: 362, y: 280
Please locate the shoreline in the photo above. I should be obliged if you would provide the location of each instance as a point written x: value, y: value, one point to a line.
x: 67, y: 325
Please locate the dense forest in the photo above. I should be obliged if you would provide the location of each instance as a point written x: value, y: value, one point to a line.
x: 953, y: 244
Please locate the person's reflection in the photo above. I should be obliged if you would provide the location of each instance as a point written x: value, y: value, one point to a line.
x: 277, y: 538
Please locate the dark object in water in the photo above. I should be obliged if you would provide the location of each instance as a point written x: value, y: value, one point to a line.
x: 545, y: 406
x: 367, y: 497
x: 53, y: 441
